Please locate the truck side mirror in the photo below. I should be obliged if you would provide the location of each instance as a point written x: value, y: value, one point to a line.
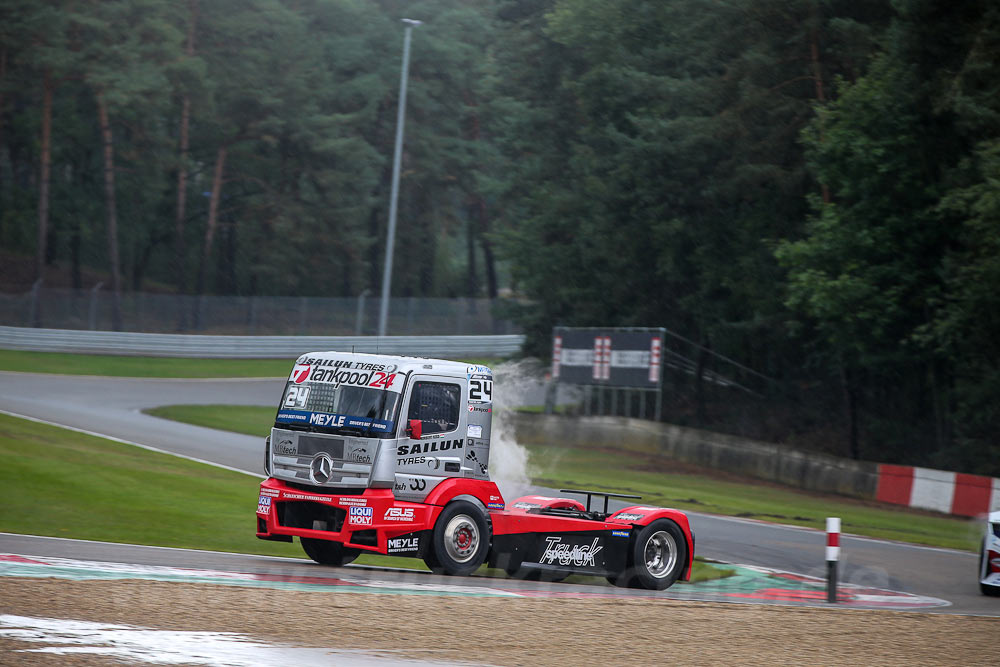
x: 415, y: 429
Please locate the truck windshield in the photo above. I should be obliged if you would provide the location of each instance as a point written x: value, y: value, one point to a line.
x: 342, y: 409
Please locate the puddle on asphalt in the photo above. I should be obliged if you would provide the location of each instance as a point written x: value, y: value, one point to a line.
x: 132, y: 644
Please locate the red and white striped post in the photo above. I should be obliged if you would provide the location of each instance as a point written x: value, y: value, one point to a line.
x: 832, y: 556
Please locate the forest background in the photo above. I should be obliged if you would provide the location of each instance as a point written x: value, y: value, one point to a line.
x: 809, y: 187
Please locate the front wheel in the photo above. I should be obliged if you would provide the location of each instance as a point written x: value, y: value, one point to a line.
x: 326, y: 552
x: 460, y: 540
x: 657, y: 557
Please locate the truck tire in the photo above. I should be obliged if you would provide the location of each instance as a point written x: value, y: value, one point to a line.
x: 460, y: 541
x: 656, y: 558
x: 326, y: 552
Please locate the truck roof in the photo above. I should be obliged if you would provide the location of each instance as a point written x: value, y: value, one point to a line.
x: 403, y: 364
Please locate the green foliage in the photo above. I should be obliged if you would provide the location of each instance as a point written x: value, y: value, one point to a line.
x: 806, y: 186
x: 301, y: 95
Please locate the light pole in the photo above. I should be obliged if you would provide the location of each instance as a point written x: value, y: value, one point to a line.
x: 390, y: 239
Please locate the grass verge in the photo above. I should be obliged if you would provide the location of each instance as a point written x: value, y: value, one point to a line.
x: 634, y: 472
x: 153, y: 367
x: 62, y: 483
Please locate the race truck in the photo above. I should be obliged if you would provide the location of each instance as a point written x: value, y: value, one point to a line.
x: 390, y: 455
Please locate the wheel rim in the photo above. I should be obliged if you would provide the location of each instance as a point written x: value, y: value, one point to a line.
x: 660, y: 554
x: 461, y: 538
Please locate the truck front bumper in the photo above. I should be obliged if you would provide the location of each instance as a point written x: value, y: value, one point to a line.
x: 363, y: 521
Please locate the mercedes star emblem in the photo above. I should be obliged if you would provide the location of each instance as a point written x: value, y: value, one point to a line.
x: 321, y: 468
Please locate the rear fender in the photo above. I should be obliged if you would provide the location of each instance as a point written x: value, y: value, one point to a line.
x: 640, y: 516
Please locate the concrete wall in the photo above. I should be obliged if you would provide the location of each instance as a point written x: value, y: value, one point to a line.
x: 805, y: 470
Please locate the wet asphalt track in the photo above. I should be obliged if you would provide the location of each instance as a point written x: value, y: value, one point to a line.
x: 112, y: 407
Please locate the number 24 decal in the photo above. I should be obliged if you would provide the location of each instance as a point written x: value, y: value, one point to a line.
x: 480, y: 390
x: 382, y: 379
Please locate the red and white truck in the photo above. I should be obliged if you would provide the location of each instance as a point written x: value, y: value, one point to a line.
x: 390, y: 455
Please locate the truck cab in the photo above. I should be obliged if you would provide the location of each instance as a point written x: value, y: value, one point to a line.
x: 367, y: 449
x: 369, y: 421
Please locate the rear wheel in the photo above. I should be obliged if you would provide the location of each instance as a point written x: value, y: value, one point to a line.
x: 657, y: 557
x: 460, y: 540
x: 326, y: 552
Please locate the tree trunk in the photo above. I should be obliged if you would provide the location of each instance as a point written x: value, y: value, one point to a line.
x: 492, y: 290
x: 3, y: 82
x: 213, y: 216
x: 180, y: 247
x: 818, y: 76
x: 74, y: 254
x: 472, y: 280
x: 112, y: 207
x: 43, y: 185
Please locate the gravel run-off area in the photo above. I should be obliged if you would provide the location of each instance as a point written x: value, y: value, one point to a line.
x: 509, y: 631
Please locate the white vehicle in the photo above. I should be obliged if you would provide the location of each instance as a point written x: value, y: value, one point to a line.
x: 989, y: 557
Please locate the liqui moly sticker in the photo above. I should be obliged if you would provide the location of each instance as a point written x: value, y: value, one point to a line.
x: 361, y: 516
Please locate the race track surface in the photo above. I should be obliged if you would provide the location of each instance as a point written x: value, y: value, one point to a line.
x: 112, y: 407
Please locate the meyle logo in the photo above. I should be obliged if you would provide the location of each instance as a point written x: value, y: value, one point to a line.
x: 398, y: 544
x: 581, y: 555
x: 399, y: 514
x: 320, y: 419
x: 300, y: 373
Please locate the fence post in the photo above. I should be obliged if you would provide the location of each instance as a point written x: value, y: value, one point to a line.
x: 832, y: 556
x: 359, y: 317
x: 35, y: 314
x: 92, y: 311
x: 252, y: 314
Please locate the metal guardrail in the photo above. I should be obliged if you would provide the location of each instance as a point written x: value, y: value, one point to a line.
x: 145, y: 312
x: 250, y: 347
